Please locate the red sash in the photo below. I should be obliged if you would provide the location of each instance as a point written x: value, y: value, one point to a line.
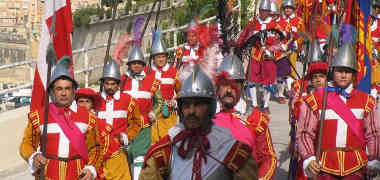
x: 335, y: 103
x: 72, y: 132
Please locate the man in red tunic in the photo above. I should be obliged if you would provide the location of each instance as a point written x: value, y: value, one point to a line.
x: 246, y: 124
x: 71, y: 147
x: 169, y: 87
x: 350, y: 140
x: 192, y: 51
x: 143, y: 88
x: 262, y: 70
x: 120, y: 121
x: 291, y: 25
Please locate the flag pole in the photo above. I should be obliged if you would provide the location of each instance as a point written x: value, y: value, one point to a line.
x: 50, y: 56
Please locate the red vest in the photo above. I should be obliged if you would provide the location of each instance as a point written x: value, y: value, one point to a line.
x: 192, y: 53
x: 143, y: 92
x: 168, y: 78
x: 336, y: 134
x: 374, y: 27
x: 57, y: 143
x: 115, y: 111
x: 254, y: 26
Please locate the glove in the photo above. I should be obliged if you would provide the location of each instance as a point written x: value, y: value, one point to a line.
x: 124, y: 139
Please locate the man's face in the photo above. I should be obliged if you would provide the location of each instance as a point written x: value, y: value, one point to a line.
x: 342, y: 77
x: 136, y: 67
x: 318, y: 80
x: 275, y: 16
x: 288, y: 11
x: 264, y: 14
x: 377, y: 10
x: 63, y: 92
x: 160, y: 60
x: 86, y: 103
x: 229, y: 96
x: 195, y: 112
x: 111, y: 86
x: 192, y: 38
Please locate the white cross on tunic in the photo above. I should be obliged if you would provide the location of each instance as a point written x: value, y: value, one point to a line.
x: 136, y: 93
x: 64, y: 143
x: 110, y: 113
x: 342, y: 127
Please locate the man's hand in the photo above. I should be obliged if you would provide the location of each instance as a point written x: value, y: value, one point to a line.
x: 171, y: 103
x: 152, y: 116
x: 85, y: 174
x: 371, y: 171
x: 314, y: 167
x: 39, y: 161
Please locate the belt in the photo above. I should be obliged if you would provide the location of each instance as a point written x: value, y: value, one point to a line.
x: 345, y: 149
x: 63, y: 159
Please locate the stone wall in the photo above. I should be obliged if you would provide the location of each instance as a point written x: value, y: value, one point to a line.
x: 97, y: 34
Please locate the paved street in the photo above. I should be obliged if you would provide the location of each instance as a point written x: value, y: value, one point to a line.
x: 12, y: 123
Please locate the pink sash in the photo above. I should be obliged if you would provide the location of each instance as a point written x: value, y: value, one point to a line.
x: 335, y: 103
x: 72, y: 132
x: 238, y: 130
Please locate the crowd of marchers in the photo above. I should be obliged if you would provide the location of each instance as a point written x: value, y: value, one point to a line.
x: 206, y: 116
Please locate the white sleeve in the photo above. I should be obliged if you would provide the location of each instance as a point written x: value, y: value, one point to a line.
x: 92, y: 169
x: 306, y: 163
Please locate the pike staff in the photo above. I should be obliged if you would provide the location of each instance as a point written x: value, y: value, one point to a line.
x: 50, y: 59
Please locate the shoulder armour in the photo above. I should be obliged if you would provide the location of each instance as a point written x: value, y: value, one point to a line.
x: 237, y: 156
x: 160, y: 152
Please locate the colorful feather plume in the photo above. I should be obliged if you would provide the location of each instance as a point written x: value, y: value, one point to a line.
x: 137, y: 29
x: 207, y: 8
x: 211, y: 60
x: 122, y: 47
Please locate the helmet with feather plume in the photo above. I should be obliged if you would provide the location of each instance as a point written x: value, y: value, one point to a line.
x: 158, y: 46
x: 61, y: 71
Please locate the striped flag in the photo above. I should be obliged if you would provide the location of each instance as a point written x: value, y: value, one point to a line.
x: 358, y: 12
x: 62, y: 44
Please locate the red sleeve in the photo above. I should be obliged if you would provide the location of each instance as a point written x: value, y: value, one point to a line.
x: 266, y: 158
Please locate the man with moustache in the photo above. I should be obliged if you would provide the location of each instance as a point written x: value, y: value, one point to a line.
x: 197, y: 148
x: 119, y: 122
x: 71, y: 151
x: 246, y: 124
x: 350, y: 139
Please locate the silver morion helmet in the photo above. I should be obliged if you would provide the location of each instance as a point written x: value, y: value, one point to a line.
x: 111, y: 70
x: 136, y: 55
x: 233, y: 66
x: 345, y: 57
x: 158, y: 46
x: 61, y: 70
x: 316, y: 53
x: 288, y: 3
x: 274, y: 8
x: 265, y: 5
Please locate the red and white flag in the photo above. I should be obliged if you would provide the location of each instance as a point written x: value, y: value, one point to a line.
x: 62, y: 45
